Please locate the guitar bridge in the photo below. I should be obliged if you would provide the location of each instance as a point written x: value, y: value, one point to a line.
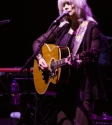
x: 46, y: 75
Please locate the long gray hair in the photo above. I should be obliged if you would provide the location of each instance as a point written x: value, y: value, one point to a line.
x: 82, y: 9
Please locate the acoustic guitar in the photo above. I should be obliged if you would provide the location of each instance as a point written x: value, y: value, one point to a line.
x: 58, y: 70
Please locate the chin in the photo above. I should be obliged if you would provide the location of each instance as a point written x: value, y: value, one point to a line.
x: 72, y: 13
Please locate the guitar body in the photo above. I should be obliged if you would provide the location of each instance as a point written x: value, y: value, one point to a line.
x: 42, y: 80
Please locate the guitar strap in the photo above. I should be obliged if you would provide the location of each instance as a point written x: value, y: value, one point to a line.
x: 79, y: 36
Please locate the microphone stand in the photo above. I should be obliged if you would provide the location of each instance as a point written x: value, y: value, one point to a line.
x: 34, y: 54
x: 30, y: 59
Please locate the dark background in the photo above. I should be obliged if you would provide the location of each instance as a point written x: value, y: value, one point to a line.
x: 30, y: 19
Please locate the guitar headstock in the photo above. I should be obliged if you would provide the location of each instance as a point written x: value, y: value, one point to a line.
x: 89, y: 53
x: 85, y: 56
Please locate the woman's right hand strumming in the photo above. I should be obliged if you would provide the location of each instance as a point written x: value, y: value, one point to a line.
x: 41, y: 62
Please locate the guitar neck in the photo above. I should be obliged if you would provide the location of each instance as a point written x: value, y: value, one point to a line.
x: 62, y: 62
x: 59, y: 63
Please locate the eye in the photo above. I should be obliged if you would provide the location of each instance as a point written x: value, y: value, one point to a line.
x: 67, y: 3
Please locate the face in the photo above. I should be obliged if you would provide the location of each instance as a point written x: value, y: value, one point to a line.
x: 67, y: 5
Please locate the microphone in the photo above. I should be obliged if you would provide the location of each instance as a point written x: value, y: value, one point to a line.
x: 109, y: 38
x: 5, y: 21
x: 65, y: 13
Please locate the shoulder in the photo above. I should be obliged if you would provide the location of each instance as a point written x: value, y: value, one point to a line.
x: 93, y: 27
x: 92, y: 24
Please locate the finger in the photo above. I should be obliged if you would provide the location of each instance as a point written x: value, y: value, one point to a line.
x: 69, y: 63
x: 41, y: 67
x: 44, y: 64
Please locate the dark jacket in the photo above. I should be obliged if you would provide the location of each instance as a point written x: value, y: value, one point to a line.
x: 83, y: 82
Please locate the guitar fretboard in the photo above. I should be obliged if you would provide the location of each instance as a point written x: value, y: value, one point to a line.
x: 58, y: 63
